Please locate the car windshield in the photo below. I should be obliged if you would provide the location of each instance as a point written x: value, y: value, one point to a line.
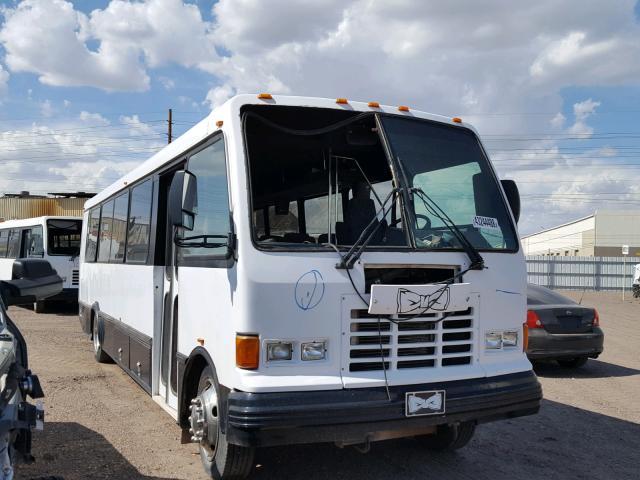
x: 320, y: 176
x: 452, y: 180
x: 63, y: 237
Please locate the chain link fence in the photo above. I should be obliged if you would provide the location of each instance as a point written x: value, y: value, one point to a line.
x: 581, y: 273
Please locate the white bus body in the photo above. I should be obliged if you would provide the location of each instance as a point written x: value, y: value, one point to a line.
x: 54, y: 238
x: 235, y: 314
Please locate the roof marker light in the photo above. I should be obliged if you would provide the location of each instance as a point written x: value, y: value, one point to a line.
x: 374, y: 104
x: 341, y: 101
x: 265, y: 96
x: 456, y: 120
x: 403, y: 108
x: 219, y: 123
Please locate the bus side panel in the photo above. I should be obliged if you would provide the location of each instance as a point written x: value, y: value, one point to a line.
x: 206, y: 297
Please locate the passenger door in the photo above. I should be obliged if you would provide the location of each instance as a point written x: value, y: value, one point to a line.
x: 192, y: 284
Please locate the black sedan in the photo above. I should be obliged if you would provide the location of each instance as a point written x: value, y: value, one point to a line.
x: 560, y: 329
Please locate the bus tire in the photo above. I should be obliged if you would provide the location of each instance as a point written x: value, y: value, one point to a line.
x: 222, y: 461
x: 100, y: 355
x: 449, y: 437
x: 40, y: 306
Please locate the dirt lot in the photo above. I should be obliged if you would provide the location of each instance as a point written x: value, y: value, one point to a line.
x: 101, y: 425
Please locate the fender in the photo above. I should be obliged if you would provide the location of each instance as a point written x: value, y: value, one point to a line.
x: 189, y: 369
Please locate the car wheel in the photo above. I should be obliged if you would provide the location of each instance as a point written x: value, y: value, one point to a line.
x: 220, y: 459
x: 572, y: 362
x: 40, y: 306
x: 100, y: 355
x: 449, y: 437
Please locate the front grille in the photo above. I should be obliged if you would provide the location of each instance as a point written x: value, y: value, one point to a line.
x: 75, y: 277
x: 422, y: 342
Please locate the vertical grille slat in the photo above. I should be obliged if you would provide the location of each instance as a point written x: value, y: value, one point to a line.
x: 410, y: 343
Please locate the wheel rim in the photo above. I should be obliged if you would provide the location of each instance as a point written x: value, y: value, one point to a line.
x: 203, y: 419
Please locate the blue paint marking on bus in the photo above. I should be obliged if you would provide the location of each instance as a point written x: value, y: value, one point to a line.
x: 309, y: 290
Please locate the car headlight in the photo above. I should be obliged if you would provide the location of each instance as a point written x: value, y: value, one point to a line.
x: 493, y: 340
x: 510, y: 338
x: 314, y: 351
x: 279, y: 351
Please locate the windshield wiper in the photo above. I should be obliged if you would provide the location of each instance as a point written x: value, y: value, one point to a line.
x: 366, y: 236
x: 477, y: 262
x: 184, y: 242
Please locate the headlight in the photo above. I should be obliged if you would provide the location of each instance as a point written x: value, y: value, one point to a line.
x: 510, y: 338
x: 314, y: 351
x: 493, y: 340
x: 279, y: 351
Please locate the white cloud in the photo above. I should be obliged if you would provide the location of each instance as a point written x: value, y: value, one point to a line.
x: 582, y: 111
x: 4, y: 80
x: 93, y: 118
x: 558, y: 120
x: 136, y: 127
x: 46, y: 109
x: 167, y: 83
x: 218, y: 95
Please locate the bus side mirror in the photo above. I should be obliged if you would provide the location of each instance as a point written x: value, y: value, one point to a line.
x: 513, y: 197
x: 183, y: 200
x: 33, y: 279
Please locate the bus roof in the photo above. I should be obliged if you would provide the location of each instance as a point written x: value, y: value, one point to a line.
x: 228, y: 113
x: 27, y: 222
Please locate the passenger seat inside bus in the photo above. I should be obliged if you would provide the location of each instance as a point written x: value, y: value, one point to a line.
x: 361, y: 210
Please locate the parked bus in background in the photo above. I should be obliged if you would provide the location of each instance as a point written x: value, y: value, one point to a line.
x: 56, y: 239
x: 299, y: 270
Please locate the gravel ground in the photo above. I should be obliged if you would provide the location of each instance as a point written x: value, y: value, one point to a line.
x: 100, y: 424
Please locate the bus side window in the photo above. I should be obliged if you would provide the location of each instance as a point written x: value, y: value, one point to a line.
x: 139, y: 223
x: 93, y: 230
x: 209, y: 167
x: 4, y: 237
x: 33, y: 245
x: 13, y: 249
x: 106, y: 227
x: 119, y: 230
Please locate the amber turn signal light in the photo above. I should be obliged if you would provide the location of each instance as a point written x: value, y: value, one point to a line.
x: 247, y: 351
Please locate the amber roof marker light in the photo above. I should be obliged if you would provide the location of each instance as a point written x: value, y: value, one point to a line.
x: 403, y: 108
x: 456, y: 120
x: 373, y: 104
x: 265, y: 96
x: 342, y: 101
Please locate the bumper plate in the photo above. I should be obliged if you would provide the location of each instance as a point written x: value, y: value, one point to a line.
x: 425, y: 403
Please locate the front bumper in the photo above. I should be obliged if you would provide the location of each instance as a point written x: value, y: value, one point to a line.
x: 361, y: 414
x: 545, y: 345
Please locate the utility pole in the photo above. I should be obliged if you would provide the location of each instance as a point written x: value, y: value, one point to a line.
x: 170, y: 124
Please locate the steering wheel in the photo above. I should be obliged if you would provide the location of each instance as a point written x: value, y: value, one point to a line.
x: 422, y: 231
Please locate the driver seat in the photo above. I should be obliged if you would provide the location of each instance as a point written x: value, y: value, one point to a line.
x: 360, y: 211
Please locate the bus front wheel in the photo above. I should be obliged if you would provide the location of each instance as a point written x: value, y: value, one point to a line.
x: 449, y: 437
x: 220, y: 459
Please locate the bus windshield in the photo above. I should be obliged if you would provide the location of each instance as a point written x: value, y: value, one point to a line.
x: 313, y: 186
x: 63, y: 237
x: 450, y: 180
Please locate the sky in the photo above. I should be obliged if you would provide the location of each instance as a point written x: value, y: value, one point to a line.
x: 552, y: 87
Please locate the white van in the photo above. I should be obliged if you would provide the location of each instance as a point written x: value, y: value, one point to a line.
x: 299, y: 270
x: 54, y: 238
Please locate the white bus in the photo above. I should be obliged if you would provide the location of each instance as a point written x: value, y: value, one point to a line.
x: 56, y: 239
x: 298, y: 270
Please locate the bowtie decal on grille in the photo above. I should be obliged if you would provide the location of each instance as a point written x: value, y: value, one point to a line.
x: 409, y: 301
x: 434, y: 402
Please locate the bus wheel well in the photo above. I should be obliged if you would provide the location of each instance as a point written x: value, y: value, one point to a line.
x: 195, y: 365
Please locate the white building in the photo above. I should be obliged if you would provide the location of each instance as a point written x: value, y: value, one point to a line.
x: 601, y: 234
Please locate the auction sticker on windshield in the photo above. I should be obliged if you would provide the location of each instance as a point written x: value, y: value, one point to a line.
x: 486, y: 222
